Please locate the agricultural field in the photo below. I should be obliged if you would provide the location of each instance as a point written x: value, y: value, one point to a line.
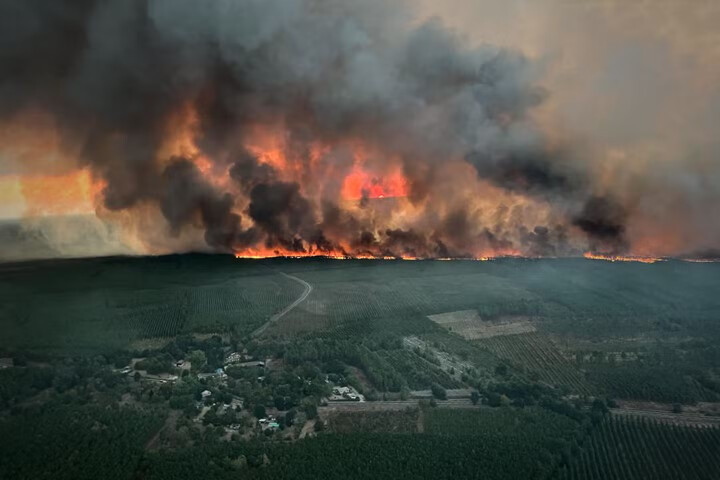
x: 631, y: 448
x: 539, y: 358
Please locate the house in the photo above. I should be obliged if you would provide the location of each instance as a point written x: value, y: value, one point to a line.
x: 205, y: 394
x: 6, y: 363
x: 234, y: 357
x: 254, y: 363
x: 344, y: 394
x: 180, y: 363
x: 217, y: 373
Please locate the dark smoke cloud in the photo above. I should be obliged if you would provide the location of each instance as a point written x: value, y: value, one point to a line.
x: 603, y: 219
x: 115, y: 72
x: 185, y: 195
x: 283, y: 213
x: 248, y: 172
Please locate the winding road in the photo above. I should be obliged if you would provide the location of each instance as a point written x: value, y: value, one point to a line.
x: 280, y: 314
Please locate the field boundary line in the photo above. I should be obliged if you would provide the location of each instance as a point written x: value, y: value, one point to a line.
x: 308, y: 288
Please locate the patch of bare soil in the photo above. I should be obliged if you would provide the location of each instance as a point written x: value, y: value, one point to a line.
x: 469, y: 325
x: 307, y: 429
x: 362, y: 378
x: 448, y: 362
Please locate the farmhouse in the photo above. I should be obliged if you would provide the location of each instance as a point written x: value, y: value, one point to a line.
x: 345, y: 394
x: 237, y: 357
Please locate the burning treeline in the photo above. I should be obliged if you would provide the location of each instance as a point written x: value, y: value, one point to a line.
x: 329, y: 127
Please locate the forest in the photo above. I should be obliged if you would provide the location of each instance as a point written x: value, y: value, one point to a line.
x: 157, y: 371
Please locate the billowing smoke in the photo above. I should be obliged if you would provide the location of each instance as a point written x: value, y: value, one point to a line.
x: 325, y: 126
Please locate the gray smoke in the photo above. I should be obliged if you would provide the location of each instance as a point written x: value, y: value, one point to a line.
x: 114, y: 72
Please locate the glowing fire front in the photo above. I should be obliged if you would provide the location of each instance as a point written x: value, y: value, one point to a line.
x: 621, y: 258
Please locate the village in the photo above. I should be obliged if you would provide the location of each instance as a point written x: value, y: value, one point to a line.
x: 230, y: 396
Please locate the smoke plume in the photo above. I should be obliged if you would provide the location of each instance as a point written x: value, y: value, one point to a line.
x: 305, y: 127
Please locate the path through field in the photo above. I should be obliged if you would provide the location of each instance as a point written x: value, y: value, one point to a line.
x: 279, y: 315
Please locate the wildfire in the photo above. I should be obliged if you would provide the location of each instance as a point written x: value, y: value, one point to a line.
x: 620, y: 258
x: 268, y: 253
x: 360, y: 183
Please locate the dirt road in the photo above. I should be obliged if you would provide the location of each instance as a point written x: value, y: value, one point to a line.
x: 280, y: 314
x: 392, y: 405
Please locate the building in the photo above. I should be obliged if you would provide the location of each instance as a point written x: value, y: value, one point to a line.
x: 345, y: 394
x: 206, y: 394
x: 254, y: 363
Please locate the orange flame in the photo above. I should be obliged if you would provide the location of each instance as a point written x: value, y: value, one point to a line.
x: 361, y: 183
x: 620, y: 258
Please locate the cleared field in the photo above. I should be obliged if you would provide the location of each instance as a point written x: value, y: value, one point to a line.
x: 379, y: 421
x: 535, y: 353
x: 630, y: 448
x: 469, y: 325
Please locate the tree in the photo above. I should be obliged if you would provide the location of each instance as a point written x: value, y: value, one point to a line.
x: 493, y: 399
x: 198, y: 360
x: 474, y: 397
x: 599, y: 406
x: 259, y: 411
x: 290, y: 416
x: 311, y: 411
x: 438, y: 391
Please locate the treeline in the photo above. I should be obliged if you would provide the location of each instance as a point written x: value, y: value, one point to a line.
x: 356, y: 456
x: 83, y: 373
x: 71, y: 441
